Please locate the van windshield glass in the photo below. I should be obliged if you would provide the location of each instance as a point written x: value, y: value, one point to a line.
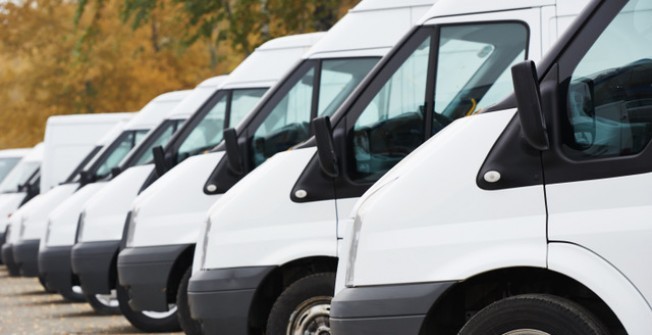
x: 6, y: 165
x: 117, y: 151
x: 19, y: 176
x: 159, y: 137
x: 288, y: 122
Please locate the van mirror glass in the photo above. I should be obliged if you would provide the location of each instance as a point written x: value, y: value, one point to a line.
x: 323, y: 131
x: 528, y: 98
x: 233, y: 154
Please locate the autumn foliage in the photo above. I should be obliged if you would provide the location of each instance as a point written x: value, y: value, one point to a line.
x: 67, y: 57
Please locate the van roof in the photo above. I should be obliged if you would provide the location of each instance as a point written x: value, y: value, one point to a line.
x: 154, y: 112
x: 75, y: 119
x: 270, y: 62
x: 213, y: 81
x: 460, y: 7
x: 371, y: 28
x: 8, y: 153
x: 35, y: 154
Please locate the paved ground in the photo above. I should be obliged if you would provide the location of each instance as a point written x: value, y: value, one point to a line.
x: 26, y: 309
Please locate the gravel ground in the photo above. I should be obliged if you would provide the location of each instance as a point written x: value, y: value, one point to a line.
x: 25, y: 308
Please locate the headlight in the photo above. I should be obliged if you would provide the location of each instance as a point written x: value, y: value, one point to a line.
x: 353, y: 252
x: 80, y: 226
x: 204, y: 247
x: 131, y: 227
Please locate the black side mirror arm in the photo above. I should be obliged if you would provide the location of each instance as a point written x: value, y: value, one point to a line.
x: 160, y: 164
x: 232, y: 151
x: 85, y: 178
x: 530, y: 111
x: 328, y: 161
x: 116, y: 171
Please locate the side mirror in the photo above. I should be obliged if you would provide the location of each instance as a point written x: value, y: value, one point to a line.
x: 159, y: 160
x: 85, y: 177
x: 115, y: 171
x: 323, y: 131
x: 528, y: 98
x: 232, y: 151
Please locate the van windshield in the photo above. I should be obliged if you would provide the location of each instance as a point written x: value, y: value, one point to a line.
x: 19, y: 176
x: 105, y: 161
x: 317, y: 89
x: 6, y: 165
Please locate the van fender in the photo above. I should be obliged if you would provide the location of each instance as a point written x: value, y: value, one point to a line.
x: 316, y: 247
x: 594, y: 272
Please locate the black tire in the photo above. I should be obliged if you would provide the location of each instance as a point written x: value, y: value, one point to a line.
x: 317, y: 289
x: 72, y: 296
x: 143, y: 322
x: 100, y: 307
x: 41, y: 280
x: 188, y: 324
x: 545, y: 313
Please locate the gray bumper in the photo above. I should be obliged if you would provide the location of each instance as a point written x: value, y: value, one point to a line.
x: 92, y: 262
x: 221, y: 299
x: 26, y: 257
x: 8, y: 259
x: 145, y: 271
x: 384, y: 310
x: 54, y: 268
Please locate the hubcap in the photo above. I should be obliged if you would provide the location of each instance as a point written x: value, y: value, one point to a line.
x: 108, y: 300
x: 311, y: 317
x: 526, y: 332
x: 172, y: 309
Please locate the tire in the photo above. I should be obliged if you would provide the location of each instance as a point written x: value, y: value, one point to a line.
x: 103, y: 304
x: 312, y: 293
x: 73, y: 295
x: 146, y: 321
x: 188, y: 324
x: 536, y: 314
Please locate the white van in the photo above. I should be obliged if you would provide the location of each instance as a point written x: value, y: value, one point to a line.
x: 281, y: 259
x: 55, y: 247
x: 75, y: 138
x: 103, y: 221
x: 34, y: 222
x: 12, y: 169
x: 529, y: 219
x: 329, y: 72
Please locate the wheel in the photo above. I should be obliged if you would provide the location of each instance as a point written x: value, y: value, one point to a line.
x: 534, y: 314
x: 189, y: 326
x: 45, y: 287
x: 104, y: 304
x: 153, y: 322
x: 75, y: 294
x: 304, y: 307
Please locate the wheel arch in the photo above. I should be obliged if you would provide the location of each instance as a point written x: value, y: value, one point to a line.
x: 280, y: 278
x: 178, y: 269
x: 449, y: 313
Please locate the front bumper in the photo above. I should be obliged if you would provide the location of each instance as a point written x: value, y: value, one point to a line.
x: 145, y: 272
x: 384, y: 310
x: 26, y: 257
x: 92, y: 262
x: 221, y: 299
x: 55, y: 269
x: 8, y: 259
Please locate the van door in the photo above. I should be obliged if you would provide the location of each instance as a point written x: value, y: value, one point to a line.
x: 598, y: 171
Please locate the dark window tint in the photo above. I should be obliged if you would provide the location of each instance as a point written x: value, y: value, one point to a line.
x: 609, y: 105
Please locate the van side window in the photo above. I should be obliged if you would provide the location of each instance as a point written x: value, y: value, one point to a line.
x: 391, y: 125
x: 208, y: 133
x: 609, y: 98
